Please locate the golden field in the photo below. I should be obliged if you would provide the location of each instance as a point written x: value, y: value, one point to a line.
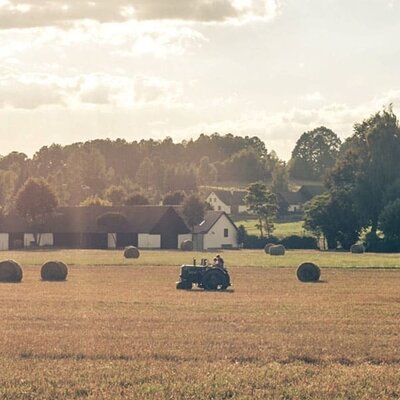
x: 125, y: 332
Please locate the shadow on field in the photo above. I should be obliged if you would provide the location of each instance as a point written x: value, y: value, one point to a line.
x: 199, y: 290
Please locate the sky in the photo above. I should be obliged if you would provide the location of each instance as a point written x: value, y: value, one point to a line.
x: 78, y: 70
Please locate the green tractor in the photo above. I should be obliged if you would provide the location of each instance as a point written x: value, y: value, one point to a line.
x: 204, y: 276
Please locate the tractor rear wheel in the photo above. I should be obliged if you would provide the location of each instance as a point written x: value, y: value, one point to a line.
x: 215, y: 279
x: 184, y: 285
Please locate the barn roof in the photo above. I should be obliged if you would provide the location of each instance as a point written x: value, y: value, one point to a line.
x: 140, y: 219
x: 210, y: 219
x: 292, y: 198
x: 310, y: 191
x: 230, y: 197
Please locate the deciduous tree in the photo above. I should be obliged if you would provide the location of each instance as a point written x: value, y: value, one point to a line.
x: 315, y: 153
x: 262, y: 203
x: 34, y: 202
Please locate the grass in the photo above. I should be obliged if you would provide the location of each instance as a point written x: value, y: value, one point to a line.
x: 117, y: 332
x: 233, y: 258
x: 282, y: 229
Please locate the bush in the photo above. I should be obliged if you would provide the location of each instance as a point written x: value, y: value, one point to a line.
x: 375, y: 244
x: 357, y: 249
x: 299, y: 242
x: 255, y: 242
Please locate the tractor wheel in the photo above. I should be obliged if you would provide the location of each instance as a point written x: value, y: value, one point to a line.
x: 215, y: 279
x: 184, y: 285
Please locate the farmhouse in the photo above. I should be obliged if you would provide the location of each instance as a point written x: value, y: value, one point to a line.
x: 155, y: 227
x: 229, y: 201
x: 217, y: 231
x: 293, y: 202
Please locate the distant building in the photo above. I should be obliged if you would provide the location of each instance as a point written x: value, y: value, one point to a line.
x: 293, y: 202
x: 156, y: 227
x: 229, y: 201
x: 216, y: 231
x: 147, y: 227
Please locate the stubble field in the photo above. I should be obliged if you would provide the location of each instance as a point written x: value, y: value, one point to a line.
x: 123, y: 331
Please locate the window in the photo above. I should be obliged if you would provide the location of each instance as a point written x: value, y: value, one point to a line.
x: 219, y: 208
x: 226, y: 232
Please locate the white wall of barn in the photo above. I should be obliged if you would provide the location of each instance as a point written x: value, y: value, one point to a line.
x: 217, y: 204
x: 111, y: 240
x: 4, y: 241
x: 147, y: 241
x: 45, y: 239
x: 215, y: 238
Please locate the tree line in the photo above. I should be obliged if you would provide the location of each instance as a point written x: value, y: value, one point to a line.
x: 362, y: 177
x: 363, y: 189
x: 116, y: 170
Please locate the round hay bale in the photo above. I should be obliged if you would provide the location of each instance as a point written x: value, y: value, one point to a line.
x: 10, y: 271
x: 187, y: 245
x: 267, y: 247
x: 308, y: 272
x: 357, y: 249
x: 277, y: 250
x: 54, y: 271
x: 131, y: 252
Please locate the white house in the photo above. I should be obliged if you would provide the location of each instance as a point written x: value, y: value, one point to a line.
x: 217, y: 231
x: 230, y: 202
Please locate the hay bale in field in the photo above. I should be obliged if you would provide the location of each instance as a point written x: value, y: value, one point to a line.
x: 277, y: 250
x: 357, y: 249
x: 10, y: 271
x: 131, y: 252
x: 187, y: 245
x: 308, y: 272
x: 267, y: 247
x: 54, y: 271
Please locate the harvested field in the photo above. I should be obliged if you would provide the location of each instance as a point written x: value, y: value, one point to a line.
x: 119, y: 332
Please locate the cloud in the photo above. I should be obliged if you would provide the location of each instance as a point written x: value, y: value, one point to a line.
x: 313, y: 97
x: 40, y: 13
x: 31, y: 91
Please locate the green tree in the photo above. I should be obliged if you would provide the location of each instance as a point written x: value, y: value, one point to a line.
x: 8, y: 180
x: 333, y: 215
x: 35, y: 201
x: 113, y: 222
x: 263, y: 204
x: 370, y: 166
x: 280, y: 178
x: 116, y: 195
x: 95, y: 201
x: 174, y: 199
x: 206, y: 173
x: 137, y: 199
x: 144, y: 173
x: 315, y: 153
x: 193, y: 210
x: 319, y: 221
x: 389, y: 221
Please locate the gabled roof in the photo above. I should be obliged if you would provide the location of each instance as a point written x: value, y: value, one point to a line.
x: 230, y: 197
x: 310, y: 191
x: 292, y: 198
x: 210, y: 220
x: 140, y: 219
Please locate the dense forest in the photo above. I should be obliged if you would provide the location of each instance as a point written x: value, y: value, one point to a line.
x: 113, y: 170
